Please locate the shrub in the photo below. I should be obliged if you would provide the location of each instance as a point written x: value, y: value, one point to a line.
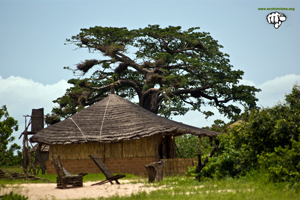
x: 267, y: 139
x: 283, y: 165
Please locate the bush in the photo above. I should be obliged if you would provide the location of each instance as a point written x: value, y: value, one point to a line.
x: 267, y: 138
x: 283, y: 165
x: 7, y: 126
x: 187, y: 146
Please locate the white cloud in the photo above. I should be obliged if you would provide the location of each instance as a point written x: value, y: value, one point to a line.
x: 21, y: 95
x: 246, y: 82
x: 275, y: 90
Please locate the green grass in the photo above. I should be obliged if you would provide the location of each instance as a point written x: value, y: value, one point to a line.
x: 254, y: 186
x: 12, y: 169
x: 49, y: 177
x: 52, y: 177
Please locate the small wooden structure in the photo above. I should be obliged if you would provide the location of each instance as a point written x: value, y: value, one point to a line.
x: 17, y: 175
x: 37, y: 123
x: 109, y: 176
x: 64, y: 178
x: 41, y: 154
x: 155, y: 171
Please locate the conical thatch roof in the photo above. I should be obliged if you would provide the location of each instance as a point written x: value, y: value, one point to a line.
x: 110, y: 120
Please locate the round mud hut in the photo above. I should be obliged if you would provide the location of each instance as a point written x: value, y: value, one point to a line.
x: 124, y: 135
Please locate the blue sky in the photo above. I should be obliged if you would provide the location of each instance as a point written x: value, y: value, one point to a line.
x: 33, y: 54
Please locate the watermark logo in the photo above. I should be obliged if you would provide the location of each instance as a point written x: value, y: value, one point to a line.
x: 276, y: 18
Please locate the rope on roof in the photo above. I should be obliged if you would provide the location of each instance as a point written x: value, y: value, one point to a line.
x: 78, y: 128
x: 104, y: 116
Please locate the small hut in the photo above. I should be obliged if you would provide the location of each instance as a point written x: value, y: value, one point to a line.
x: 123, y: 134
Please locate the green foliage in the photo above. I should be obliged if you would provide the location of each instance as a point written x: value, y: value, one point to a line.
x: 13, y: 196
x: 188, y: 146
x: 72, y: 101
x: 266, y: 139
x: 7, y: 126
x: 51, y: 119
x: 170, y: 70
x: 283, y: 165
x: 227, y: 161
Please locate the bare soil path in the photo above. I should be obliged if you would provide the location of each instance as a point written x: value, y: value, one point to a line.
x: 48, y: 190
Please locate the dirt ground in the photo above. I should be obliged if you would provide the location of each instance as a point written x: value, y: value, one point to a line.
x: 48, y: 190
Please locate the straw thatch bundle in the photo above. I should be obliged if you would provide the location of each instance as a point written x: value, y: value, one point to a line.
x: 124, y: 149
x: 111, y: 120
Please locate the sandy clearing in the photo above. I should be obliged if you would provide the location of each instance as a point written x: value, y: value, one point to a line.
x: 41, y: 191
x: 48, y: 190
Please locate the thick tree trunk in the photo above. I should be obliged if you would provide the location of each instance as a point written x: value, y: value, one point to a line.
x: 150, y: 103
x: 167, y: 146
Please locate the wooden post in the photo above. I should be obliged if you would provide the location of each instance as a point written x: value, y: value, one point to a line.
x: 24, y: 152
x: 31, y: 166
x: 156, y: 146
x: 211, y: 154
x: 199, y: 163
x: 200, y: 167
x: 40, y: 158
x: 30, y: 163
x: 200, y: 141
x: 170, y: 147
x: 104, y: 153
x: 155, y: 171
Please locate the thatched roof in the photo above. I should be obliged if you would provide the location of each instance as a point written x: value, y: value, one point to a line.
x: 110, y: 120
x: 44, y: 148
x: 235, y: 123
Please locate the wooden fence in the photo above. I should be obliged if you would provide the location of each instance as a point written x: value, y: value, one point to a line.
x: 178, y: 166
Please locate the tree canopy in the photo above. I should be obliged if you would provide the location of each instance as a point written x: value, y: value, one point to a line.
x: 171, y: 71
x: 7, y: 126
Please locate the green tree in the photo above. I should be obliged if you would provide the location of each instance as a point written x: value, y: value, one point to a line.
x: 7, y: 126
x: 171, y: 71
x: 267, y: 138
x: 188, y: 146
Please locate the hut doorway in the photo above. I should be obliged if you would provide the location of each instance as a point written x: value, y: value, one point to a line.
x: 167, y: 147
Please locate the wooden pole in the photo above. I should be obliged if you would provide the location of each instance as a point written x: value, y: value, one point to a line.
x: 200, y: 167
x: 25, y: 148
x: 31, y: 166
x: 104, y: 153
x: 199, y: 156
x: 40, y: 158
x: 211, y: 154
x: 24, y: 154
x: 157, y: 158
x: 200, y: 141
